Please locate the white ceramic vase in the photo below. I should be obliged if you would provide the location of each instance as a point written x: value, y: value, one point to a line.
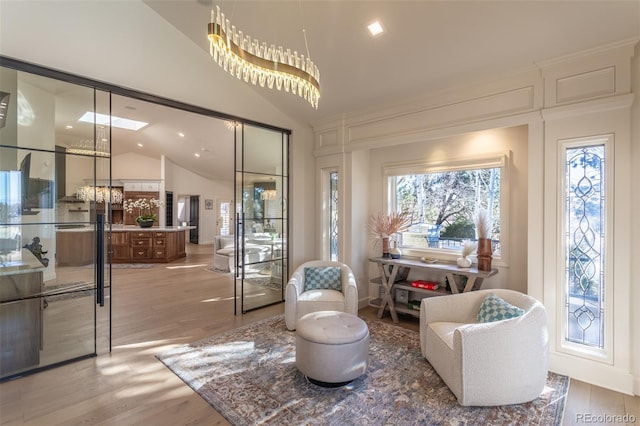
x: 395, y: 253
x: 464, y: 262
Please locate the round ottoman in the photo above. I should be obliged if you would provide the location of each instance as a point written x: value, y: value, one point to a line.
x: 332, y: 348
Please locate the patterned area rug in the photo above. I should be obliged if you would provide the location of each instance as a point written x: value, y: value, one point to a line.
x: 127, y: 265
x: 249, y: 376
x: 53, y: 293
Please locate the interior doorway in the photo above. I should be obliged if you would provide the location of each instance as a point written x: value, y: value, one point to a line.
x: 189, y: 215
x: 194, y: 218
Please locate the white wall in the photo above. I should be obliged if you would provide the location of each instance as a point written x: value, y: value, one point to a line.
x: 634, y: 321
x: 131, y: 166
x: 37, y: 132
x: 186, y: 182
x: 127, y: 44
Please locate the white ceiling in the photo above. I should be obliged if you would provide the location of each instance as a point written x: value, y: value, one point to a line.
x: 428, y: 46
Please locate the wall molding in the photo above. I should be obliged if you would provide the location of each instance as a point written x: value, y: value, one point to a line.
x: 588, y: 107
x: 601, y: 73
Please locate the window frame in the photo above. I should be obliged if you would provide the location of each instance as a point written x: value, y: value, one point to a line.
x: 500, y: 160
x: 604, y: 354
x: 325, y: 191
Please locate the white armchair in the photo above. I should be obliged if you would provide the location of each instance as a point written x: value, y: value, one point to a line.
x: 299, y: 302
x: 484, y: 364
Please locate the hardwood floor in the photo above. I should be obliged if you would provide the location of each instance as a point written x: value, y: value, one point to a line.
x: 153, y: 310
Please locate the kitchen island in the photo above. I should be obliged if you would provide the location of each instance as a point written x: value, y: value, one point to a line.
x: 129, y: 244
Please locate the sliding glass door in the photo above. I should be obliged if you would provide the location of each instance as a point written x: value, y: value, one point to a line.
x: 261, y: 189
x: 55, y: 210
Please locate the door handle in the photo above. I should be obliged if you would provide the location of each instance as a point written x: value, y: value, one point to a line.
x: 100, y: 259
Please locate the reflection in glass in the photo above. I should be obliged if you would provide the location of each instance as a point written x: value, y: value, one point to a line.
x: 261, y: 190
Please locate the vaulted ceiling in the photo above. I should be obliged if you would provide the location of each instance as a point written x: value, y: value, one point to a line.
x: 427, y: 45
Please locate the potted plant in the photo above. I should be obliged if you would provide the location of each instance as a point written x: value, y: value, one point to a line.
x: 145, y: 210
x: 384, y: 226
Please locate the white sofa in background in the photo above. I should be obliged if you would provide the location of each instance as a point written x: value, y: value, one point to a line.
x: 224, y: 253
x: 484, y: 364
x: 299, y: 302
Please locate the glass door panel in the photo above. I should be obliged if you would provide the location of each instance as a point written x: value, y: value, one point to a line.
x: 261, y: 263
x: 48, y: 236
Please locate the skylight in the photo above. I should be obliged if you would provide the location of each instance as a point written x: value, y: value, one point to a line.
x: 122, y: 123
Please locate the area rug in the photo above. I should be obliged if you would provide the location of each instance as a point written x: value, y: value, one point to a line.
x: 249, y: 376
x: 57, y: 292
x: 127, y: 265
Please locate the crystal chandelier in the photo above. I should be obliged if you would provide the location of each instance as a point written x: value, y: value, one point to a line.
x: 258, y: 63
x: 99, y: 147
x: 269, y: 195
x: 99, y: 194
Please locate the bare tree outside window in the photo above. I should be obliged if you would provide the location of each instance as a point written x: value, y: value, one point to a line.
x: 443, y: 205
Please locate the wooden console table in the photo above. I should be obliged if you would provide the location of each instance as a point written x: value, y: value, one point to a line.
x: 389, y: 283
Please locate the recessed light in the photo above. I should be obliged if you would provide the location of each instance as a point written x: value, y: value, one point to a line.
x: 196, y: 154
x: 68, y: 126
x: 140, y: 145
x: 375, y: 28
x: 181, y: 134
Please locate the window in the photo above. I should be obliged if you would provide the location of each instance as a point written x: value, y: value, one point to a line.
x: 224, y: 217
x: 330, y: 214
x: 443, y: 199
x: 333, y: 215
x: 585, y: 202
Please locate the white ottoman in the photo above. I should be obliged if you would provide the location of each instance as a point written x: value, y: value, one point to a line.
x: 332, y: 348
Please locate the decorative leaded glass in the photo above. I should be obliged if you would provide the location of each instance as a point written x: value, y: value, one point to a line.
x: 584, y: 239
x: 333, y: 216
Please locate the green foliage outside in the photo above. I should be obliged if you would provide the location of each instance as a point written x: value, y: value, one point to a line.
x: 462, y: 228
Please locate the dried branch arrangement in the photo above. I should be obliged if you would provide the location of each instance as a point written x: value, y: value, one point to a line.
x: 384, y: 225
x: 468, y: 248
x: 483, y: 223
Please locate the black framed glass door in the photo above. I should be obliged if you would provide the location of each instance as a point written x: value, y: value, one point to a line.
x: 261, y: 196
x: 56, y: 205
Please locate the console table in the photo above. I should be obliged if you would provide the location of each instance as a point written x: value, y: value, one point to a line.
x: 394, y: 272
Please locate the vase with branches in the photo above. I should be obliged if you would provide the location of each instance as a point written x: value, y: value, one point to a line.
x: 385, y: 226
x: 467, y: 248
x: 483, y: 228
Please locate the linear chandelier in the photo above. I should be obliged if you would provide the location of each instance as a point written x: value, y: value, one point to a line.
x: 99, y: 147
x: 260, y: 64
x: 99, y: 194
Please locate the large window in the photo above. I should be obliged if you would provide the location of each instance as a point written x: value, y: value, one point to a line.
x: 443, y: 199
